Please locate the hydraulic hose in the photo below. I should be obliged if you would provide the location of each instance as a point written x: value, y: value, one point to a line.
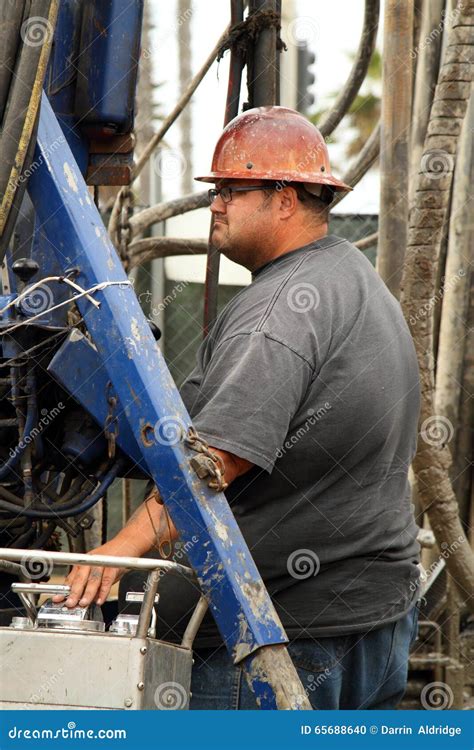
x: 21, y: 106
x: 93, y: 498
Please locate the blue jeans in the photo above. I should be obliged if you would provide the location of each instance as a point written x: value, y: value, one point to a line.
x: 357, y: 671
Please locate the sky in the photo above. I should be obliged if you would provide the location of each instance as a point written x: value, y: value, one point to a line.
x: 332, y: 31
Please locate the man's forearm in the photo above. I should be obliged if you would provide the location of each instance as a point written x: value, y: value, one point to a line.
x: 139, y: 533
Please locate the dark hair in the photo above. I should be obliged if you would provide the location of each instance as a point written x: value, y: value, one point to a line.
x: 314, y: 203
x: 319, y: 206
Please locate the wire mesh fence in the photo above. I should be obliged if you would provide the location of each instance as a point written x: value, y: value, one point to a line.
x: 184, y: 314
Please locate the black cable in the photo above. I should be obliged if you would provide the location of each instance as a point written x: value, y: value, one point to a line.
x: 45, y: 536
x: 94, y: 498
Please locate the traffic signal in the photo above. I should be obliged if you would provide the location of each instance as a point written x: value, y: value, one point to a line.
x: 305, y: 79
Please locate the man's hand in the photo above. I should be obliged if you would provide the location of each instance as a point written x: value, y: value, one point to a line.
x: 90, y: 584
x: 142, y: 533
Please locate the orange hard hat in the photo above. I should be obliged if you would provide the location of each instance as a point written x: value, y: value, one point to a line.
x: 272, y: 143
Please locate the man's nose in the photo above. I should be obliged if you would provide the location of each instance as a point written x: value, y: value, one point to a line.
x: 218, y: 206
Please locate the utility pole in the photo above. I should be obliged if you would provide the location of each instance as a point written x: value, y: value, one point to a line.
x: 185, y: 58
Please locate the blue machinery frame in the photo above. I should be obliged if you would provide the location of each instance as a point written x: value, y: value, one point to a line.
x: 149, y: 400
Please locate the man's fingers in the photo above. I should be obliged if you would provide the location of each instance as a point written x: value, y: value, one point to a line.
x: 70, y: 578
x: 93, y: 585
x: 88, y: 584
x: 108, y: 580
x: 77, y: 579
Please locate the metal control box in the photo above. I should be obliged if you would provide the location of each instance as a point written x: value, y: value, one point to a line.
x: 43, y: 669
x: 57, y: 657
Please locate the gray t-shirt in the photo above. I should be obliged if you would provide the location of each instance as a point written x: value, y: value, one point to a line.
x: 310, y: 373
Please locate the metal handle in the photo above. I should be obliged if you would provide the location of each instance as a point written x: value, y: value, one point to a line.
x: 147, y: 616
x: 104, y: 561
x: 41, y: 588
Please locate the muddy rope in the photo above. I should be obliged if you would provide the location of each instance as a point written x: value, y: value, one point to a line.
x: 241, y: 37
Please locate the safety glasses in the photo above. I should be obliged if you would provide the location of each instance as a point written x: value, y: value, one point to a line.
x: 226, y: 192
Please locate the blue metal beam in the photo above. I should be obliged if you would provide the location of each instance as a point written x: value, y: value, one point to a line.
x: 157, y: 417
x: 78, y: 367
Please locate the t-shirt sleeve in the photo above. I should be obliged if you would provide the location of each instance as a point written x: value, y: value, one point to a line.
x: 250, y: 391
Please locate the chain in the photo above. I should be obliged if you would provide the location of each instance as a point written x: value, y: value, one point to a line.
x: 124, y: 229
x: 207, y: 464
x: 110, y: 421
x: 160, y: 541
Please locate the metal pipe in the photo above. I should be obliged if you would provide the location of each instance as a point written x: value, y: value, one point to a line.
x: 148, y: 601
x: 194, y: 623
x: 394, y: 141
x: 22, y: 445
x: 211, y: 284
x: 103, y: 561
x: 263, y: 85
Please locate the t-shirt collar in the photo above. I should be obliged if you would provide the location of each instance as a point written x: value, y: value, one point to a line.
x: 328, y: 239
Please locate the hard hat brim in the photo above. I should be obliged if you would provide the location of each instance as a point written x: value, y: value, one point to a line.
x: 304, y: 178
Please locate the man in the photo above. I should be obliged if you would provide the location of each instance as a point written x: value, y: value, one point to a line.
x: 307, y: 387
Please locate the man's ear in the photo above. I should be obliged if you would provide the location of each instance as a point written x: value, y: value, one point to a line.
x: 288, y: 201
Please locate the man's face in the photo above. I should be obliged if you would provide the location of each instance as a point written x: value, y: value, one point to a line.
x: 243, y: 228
